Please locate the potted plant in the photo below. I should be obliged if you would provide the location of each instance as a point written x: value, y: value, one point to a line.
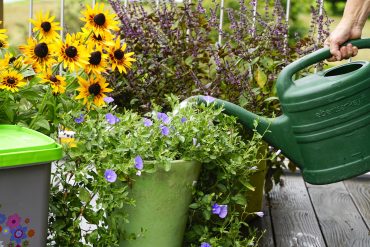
x: 141, y: 171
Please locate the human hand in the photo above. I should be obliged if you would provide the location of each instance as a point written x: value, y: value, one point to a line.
x: 342, y: 33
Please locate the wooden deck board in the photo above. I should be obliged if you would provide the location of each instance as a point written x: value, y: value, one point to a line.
x: 359, y: 189
x: 317, y: 215
x: 340, y: 221
x: 293, y: 218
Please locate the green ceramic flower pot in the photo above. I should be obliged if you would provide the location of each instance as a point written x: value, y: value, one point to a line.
x: 162, y: 202
x: 257, y: 180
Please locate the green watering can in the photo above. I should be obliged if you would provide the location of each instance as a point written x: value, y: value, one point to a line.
x: 325, y: 128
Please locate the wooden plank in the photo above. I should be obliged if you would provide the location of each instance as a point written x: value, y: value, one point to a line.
x: 359, y: 189
x: 264, y: 226
x: 293, y: 218
x: 340, y: 221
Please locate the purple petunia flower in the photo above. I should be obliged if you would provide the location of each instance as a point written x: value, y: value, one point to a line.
x: 111, y: 119
x: 165, y: 130
x: 108, y: 100
x: 183, y: 119
x: 139, y: 164
x: 205, y: 244
x: 163, y: 117
x: 208, y: 99
x: 148, y: 122
x: 80, y: 119
x: 110, y: 175
x: 220, y: 210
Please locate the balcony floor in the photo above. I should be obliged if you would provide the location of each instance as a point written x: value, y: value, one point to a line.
x: 298, y: 214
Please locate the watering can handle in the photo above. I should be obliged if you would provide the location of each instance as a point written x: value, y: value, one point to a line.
x: 286, y: 75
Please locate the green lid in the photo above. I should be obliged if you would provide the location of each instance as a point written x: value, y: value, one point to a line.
x: 22, y: 146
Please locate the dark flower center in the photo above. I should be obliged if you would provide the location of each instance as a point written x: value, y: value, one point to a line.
x: 46, y: 26
x: 1, y: 44
x: 118, y: 54
x: 11, y: 81
x: 94, y: 89
x: 11, y: 60
x: 95, y: 58
x: 53, y: 78
x: 71, y: 51
x: 41, y: 50
x: 98, y: 38
x: 99, y: 19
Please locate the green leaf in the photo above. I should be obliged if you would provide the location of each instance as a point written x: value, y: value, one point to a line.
x: 260, y: 77
x: 43, y: 123
x: 247, y: 185
x: 84, y: 195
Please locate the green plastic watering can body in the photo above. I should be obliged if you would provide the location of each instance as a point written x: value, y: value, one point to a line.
x: 325, y: 126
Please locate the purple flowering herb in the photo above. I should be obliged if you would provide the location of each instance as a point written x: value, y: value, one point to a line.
x: 148, y: 122
x: 205, y: 244
x: 111, y: 119
x: 165, y: 130
x: 183, y: 119
x: 108, y: 100
x: 139, y: 164
x: 208, y: 99
x: 163, y: 117
x: 80, y: 119
x: 110, y: 175
x: 260, y: 214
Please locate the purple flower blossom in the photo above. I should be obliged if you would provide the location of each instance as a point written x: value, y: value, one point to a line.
x: 205, y: 244
x: 220, y: 210
x: 80, y: 119
x: 148, y: 122
x: 183, y: 119
x: 110, y: 175
x: 108, y: 100
x: 111, y: 118
x: 260, y: 214
x: 163, y: 117
x: 165, y: 130
x: 139, y: 164
x: 208, y: 99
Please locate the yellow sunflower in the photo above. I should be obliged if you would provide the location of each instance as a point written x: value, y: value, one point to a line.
x: 47, y: 28
x: 95, y: 88
x: 99, y: 20
x: 3, y: 43
x: 119, y: 58
x: 3, y: 36
x: 57, y: 83
x: 97, y: 62
x: 98, y: 40
x: 40, y: 55
x: 10, y: 60
x: 11, y: 81
x: 72, y: 53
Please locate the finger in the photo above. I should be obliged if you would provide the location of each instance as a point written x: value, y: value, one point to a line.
x: 349, y: 50
x: 334, y: 50
x: 344, y: 53
x: 355, y: 51
x: 332, y: 59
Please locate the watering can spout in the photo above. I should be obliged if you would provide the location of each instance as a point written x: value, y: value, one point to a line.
x: 275, y: 131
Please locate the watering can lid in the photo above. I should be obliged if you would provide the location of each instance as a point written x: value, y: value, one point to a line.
x: 320, y: 88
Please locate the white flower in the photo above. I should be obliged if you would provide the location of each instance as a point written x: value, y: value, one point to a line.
x: 260, y: 214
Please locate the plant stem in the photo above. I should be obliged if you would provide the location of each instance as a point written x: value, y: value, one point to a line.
x: 40, y: 110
